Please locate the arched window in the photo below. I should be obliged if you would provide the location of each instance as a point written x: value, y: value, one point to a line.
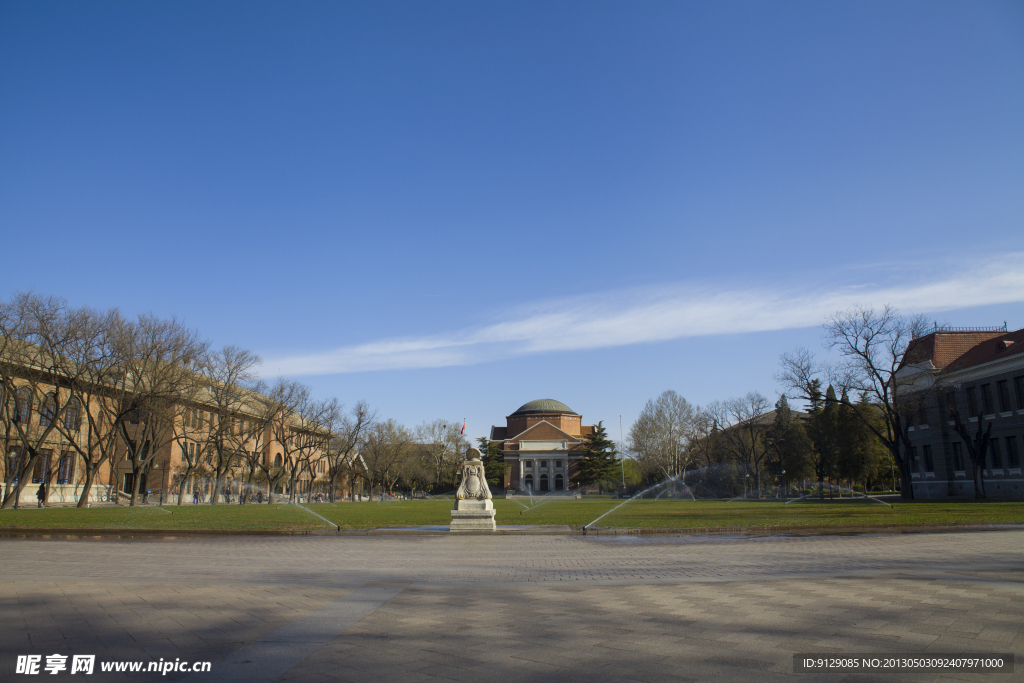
x: 23, y: 405
x: 277, y: 460
x: 14, y: 469
x: 559, y: 482
x: 529, y: 482
x: 47, y: 410
x: 543, y: 482
x: 73, y: 415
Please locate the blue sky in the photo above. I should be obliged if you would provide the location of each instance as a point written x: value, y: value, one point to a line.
x: 451, y: 208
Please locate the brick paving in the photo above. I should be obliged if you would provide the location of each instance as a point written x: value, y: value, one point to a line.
x: 515, y: 607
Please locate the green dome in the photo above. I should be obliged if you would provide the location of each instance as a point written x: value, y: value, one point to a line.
x: 544, y: 405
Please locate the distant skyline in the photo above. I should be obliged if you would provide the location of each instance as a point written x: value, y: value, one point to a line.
x: 449, y: 209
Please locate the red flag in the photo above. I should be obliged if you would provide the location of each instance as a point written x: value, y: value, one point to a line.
x: 463, y: 427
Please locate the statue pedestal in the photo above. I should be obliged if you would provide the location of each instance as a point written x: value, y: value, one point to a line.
x: 474, y: 511
x: 473, y: 515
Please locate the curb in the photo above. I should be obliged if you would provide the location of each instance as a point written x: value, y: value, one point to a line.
x: 789, y: 529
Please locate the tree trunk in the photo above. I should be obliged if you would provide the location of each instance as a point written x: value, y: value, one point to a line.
x: 906, y: 485
x: 24, y: 476
x: 181, y: 488
x: 136, y: 482
x: 216, y: 487
x: 90, y: 475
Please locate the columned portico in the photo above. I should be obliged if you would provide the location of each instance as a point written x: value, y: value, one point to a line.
x: 541, y: 442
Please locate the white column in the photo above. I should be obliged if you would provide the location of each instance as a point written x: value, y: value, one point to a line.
x: 522, y: 486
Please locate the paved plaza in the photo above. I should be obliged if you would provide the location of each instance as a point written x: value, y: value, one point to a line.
x: 512, y: 608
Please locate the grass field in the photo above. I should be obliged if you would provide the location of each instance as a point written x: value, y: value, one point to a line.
x: 639, y: 514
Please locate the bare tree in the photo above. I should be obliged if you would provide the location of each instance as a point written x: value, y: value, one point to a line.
x: 871, y: 345
x: 744, y: 437
x: 349, y: 431
x: 660, y: 437
x: 298, y: 427
x: 90, y: 368
x: 444, y: 445
x: 32, y: 327
x: 977, y: 447
x: 311, y: 437
x: 229, y: 376
x: 388, y: 447
x: 159, y: 357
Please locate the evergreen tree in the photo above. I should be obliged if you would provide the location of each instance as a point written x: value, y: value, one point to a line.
x: 858, y: 454
x: 823, y: 428
x: 599, y: 461
x: 495, y: 466
x: 790, y: 444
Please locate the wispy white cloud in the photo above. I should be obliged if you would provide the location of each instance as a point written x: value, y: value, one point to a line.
x: 652, y: 315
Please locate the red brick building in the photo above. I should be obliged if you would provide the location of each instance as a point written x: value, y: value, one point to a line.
x: 980, y: 374
x: 542, y: 443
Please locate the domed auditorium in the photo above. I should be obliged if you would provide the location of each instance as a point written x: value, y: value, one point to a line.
x: 542, y: 443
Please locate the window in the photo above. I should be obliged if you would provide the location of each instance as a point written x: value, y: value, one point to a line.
x: 23, y: 406
x: 950, y: 404
x: 277, y: 460
x: 558, y: 464
x: 528, y: 464
x: 529, y: 481
x: 1003, y: 391
x: 922, y: 414
x: 47, y: 410
x: 986, y: 399
x: 543, y: 482
x: 42, y: 467
x: 1018, y: 388
x: 958, y: 456
x: 994, y: 457
x: 972, y: 402
x: 544, y: 466
x: 73, y: 415
x: 929, y: 464
x: 133, y: 415
x: 914, y: 464
x: 66, y: 469
x: 1012, y: 456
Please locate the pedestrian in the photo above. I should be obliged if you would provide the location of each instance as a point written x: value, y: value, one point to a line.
x: 195, y: 498
x: 41, y: 494
x: 259, y: 497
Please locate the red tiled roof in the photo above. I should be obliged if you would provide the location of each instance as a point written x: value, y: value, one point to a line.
x: 988, y: 351
x: 942, y: 348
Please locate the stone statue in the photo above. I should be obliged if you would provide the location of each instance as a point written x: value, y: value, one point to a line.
x: 474, y: 510
x: 474, y: 484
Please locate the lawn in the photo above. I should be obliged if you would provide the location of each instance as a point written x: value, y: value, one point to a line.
x: 638, y: 514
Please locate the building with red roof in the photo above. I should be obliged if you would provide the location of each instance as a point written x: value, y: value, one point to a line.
x: 980, y: 374
x: 542, y: 444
